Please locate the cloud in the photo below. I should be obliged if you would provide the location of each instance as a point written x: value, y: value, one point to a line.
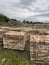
x: 26, y: 3
x: 44, y: 17
x: 35, y: 10
x: 41, y: 6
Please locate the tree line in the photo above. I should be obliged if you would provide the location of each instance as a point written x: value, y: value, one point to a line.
x: 5, y: 19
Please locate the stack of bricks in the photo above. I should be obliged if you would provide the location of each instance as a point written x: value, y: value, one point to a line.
x: 39, y: 47
x: 14, y: 40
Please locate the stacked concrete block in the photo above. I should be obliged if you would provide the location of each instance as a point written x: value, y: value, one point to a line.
x: 2, y: 31
x: 30, y: 31
x: 14, y: 40
x: 39, y: 47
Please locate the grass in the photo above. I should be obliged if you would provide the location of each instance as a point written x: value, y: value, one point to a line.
x: 15, y: 57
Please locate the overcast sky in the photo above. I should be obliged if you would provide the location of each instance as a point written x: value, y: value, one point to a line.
x: 34, y: 10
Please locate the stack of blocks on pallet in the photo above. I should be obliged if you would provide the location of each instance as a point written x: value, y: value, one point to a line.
x: 2, y: 31
x: 14, y: 40
x: 39, y: 47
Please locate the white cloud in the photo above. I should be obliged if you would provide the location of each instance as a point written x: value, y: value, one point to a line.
x: 25, y: 9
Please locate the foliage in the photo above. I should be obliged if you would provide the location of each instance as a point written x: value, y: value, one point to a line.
x: 30, y: 22
x: 13, y: 57
x: 4, y: 18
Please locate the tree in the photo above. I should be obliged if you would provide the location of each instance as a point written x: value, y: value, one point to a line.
x: 3, y: 18
x: 24, y: 21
